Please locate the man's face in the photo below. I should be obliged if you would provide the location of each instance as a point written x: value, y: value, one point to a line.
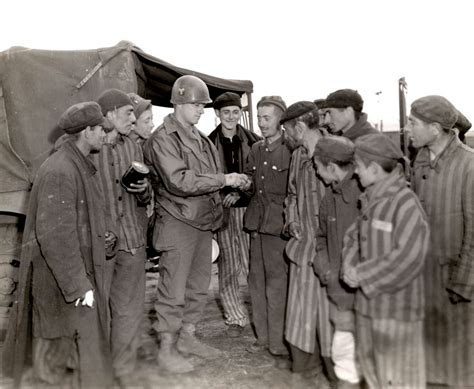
x: 144, y: 124
x: 122, y: 119
x: 326, y: 172
x: 365, y: 172
x: 420, y: 133
x: 229, y: 116
x: 268, y: 117
x: 294, y: 136
x: 337, y: 119
x: 322, y: 117
x: 190, y: 112
x: 97, y: 138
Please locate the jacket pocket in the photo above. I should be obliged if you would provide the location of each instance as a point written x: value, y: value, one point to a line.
x: 273, y: 222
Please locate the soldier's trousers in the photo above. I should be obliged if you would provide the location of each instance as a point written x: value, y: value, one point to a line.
x: 185, y: 272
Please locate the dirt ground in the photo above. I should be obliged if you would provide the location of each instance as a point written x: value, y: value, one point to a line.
x: 235, y: 369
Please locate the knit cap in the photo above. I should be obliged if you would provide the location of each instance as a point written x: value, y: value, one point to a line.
x: 113, y: 99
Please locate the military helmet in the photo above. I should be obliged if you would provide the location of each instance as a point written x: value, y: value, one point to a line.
x: 190, y: 89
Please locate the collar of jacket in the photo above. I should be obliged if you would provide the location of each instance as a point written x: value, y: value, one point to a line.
x: 345, y: 187
x: 275, y: 144
x: 386, y: 188
x: 172, y: 125
x: 239, y: 133
x: 71, y: 149
x: 359, y: 128
x: 423, y: 158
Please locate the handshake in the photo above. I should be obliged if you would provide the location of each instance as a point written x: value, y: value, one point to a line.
x: 236, y: 180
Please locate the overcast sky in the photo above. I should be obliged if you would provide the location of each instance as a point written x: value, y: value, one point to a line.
x: 301, y: 50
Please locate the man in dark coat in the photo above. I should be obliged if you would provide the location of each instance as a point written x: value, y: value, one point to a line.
x: 233, y: 143
x: 63, y: 263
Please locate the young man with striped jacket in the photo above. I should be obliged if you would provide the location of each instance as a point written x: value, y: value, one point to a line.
x: 383, y: 257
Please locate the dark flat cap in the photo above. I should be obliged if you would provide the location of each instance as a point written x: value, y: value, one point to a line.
x: 139, y: 104
x: 319, y: 103
x: 79, y: 116
x: 112, y: 99
x: 377, y: 147
x: 272, y: 100
x: 462, y: 124
x: 227, y: 99
x: 335, y: 148
x: 435, y: 109
x: 344, y: 98
x: 297, y: 109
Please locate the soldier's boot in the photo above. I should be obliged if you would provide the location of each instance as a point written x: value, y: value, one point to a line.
x: 169, y: 358
x: 189, y: 344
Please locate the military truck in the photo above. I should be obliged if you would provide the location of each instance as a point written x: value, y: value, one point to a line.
x: 36, y: 86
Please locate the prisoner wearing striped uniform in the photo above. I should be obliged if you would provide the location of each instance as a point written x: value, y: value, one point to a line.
x: 234, y: 242
x: 127, y: 267
x: 446, y: 190
x: 307, y: 316
x: 386, y: 246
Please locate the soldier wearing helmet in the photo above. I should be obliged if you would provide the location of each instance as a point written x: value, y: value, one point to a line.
x: 187, y: 177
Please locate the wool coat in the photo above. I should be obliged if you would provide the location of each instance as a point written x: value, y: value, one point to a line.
x: 63, y: 256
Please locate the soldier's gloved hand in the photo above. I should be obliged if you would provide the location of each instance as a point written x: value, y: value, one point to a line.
x: 86, y: 300
x: 294, y: 230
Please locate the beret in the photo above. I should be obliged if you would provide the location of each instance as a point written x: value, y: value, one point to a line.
x: 273, y: 100
x: 344, y: 98
x: 334, y: 148
x: 297, y: 109
x: 435, y: 109
x: 227, y: 99
x: 139, y: 104
x: 377, y: 147
x: 112, y: 99
x: 79, y: 116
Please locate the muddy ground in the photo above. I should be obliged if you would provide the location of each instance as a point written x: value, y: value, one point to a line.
x: 235, y: 369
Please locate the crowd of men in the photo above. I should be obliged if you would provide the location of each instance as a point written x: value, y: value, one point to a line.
x: 360, y: 263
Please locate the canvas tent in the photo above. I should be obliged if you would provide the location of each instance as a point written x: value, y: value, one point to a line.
x: 36, y: 86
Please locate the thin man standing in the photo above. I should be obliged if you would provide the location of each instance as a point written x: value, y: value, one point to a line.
x: 233, y: 142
